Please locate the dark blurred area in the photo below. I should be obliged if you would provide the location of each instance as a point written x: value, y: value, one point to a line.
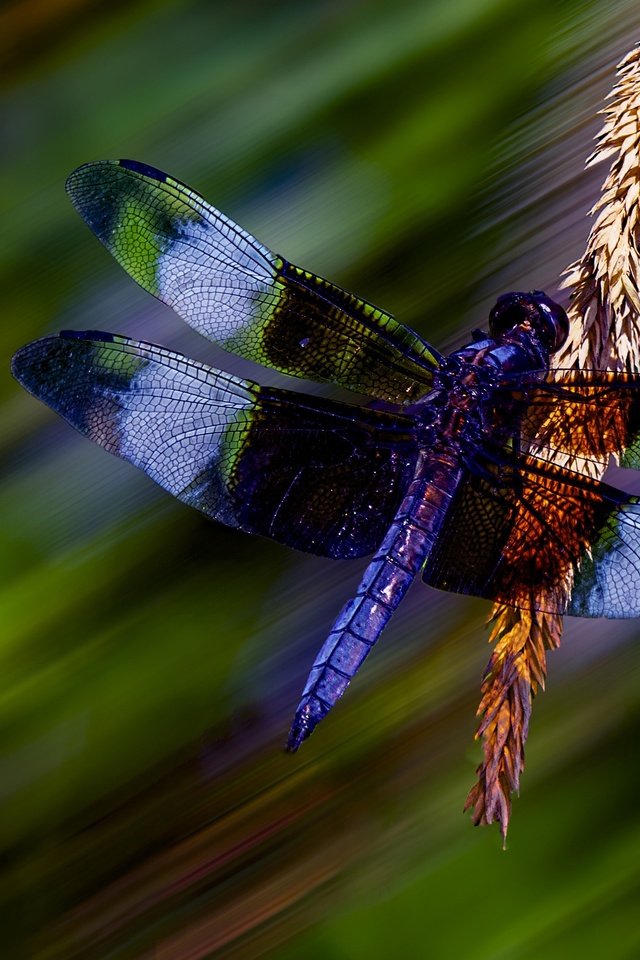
x: 429, y: 156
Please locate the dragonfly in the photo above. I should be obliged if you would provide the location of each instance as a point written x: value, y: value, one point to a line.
x: 475, y: 469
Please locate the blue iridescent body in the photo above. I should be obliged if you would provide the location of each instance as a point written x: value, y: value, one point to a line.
x: 474, y: 469
x: 451, y: 436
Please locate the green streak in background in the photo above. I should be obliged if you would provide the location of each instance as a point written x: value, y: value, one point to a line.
x: 427, y: 156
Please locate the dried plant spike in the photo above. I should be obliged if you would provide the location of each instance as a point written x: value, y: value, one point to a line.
x: 605, y: 332
x: 514, y: 674
x: 605, y: 298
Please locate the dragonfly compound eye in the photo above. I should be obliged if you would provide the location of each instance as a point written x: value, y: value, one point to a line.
x: 552, y: 323
x: 542, y: 315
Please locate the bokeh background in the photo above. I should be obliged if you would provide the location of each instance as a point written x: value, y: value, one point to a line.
x: 427, y: 154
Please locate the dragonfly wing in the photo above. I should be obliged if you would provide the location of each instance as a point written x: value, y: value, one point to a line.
x: 313, y: 474
x: 580, y: 417
x: 547, y: 540
x: 239, y: 294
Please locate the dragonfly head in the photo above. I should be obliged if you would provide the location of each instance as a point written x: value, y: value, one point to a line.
x: 533, y: 313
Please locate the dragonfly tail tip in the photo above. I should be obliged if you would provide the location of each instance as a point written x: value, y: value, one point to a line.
x: 308, y: 715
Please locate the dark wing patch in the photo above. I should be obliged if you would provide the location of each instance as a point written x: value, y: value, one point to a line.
x: 545, y: 539
x: 236, y: 292
x: 585, y: 416
x: 313, y: 474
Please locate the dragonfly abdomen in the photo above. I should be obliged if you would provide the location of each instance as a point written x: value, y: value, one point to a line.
x: 387, y: 578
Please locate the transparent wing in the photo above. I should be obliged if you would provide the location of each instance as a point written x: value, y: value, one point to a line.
x: 585, y: 416
x: 313, y: 474
x: 543, y: 538
x: 236, y: 292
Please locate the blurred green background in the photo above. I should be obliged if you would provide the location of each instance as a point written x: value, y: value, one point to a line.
x: 427, y: 155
